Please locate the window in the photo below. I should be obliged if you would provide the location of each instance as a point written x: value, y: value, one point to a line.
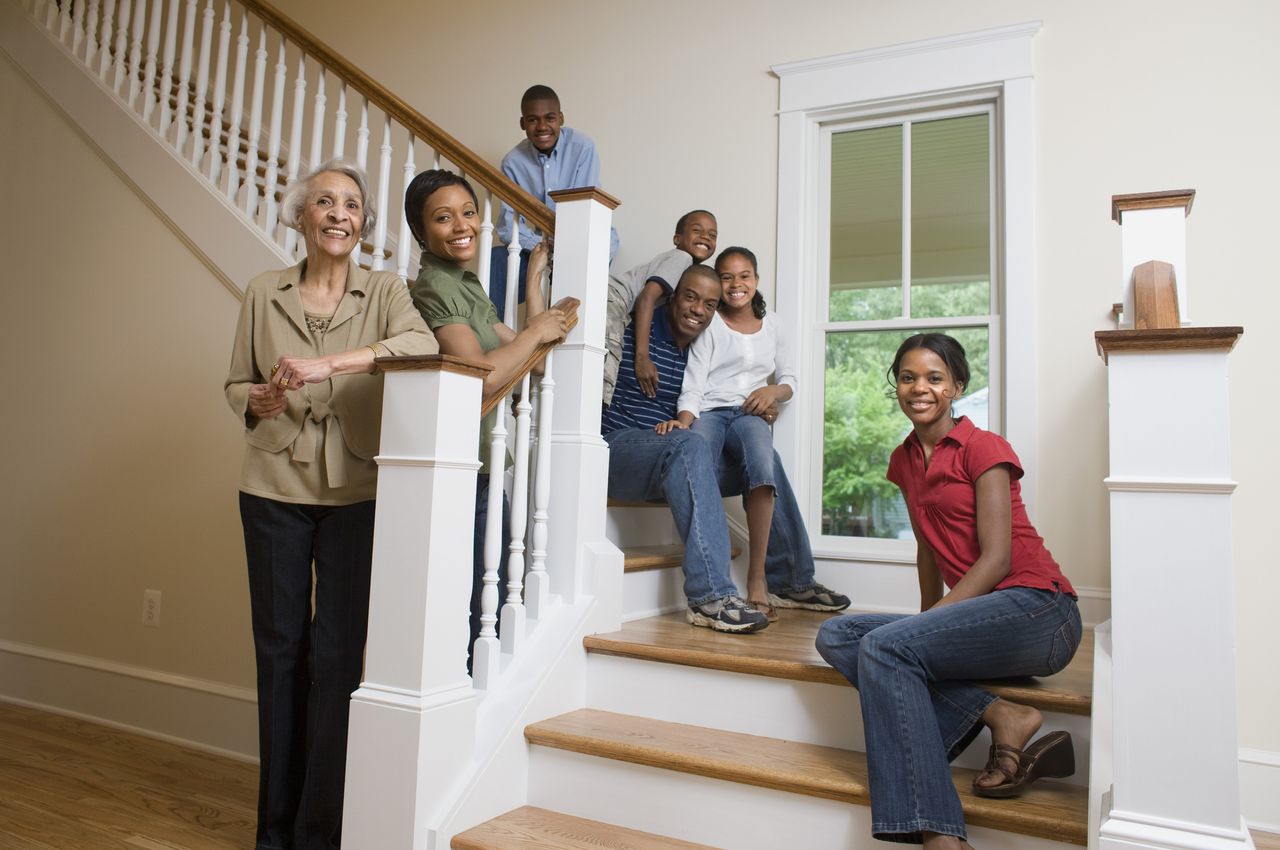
x: 910, y: 242
x: 905, y: 204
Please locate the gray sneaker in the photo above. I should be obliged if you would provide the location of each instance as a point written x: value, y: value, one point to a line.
x: 730, y: 614
x: 816, y: 598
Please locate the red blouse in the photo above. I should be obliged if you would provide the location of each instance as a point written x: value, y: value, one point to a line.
x: 943, y: 503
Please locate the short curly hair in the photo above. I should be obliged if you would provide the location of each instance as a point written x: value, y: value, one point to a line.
x: 297, y: 192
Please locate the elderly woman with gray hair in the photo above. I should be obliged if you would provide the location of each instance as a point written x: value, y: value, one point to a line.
x: 304, y: 385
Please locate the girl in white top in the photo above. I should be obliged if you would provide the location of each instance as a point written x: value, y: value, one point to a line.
x: 728, y: 398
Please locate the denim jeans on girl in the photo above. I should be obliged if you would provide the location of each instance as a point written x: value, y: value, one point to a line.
x: 919, y: 706
x: 744, y: 437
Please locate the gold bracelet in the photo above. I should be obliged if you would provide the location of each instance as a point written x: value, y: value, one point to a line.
x: 373, y: 367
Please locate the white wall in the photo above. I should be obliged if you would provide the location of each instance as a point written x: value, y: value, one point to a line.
x: 1131, y: 97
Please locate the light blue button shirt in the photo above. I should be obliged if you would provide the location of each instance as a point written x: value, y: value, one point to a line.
x: 572, y: 164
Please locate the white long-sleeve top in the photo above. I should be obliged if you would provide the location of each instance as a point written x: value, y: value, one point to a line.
x: 726, y: 366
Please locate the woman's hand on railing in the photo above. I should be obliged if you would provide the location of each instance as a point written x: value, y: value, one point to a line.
x: 291, y: 373
x: 549, y: 326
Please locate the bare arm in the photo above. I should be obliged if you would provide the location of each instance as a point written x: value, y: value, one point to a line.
x: 927, y: 572
x: 646, y: 303
x: 995, y: 537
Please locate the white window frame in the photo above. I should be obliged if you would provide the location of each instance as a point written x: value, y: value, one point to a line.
x: 995, y: 66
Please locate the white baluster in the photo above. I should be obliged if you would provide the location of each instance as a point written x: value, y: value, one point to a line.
x: 51, y: 15
x: 405, y: 242
x: 513, y: 613
x: 202, y: 86
x: 513, y: 277
x: 487, y: 651
x: 37, y: 9
x: 384, y: 185
x: 538, y: 589
x: 122, y: 45
x: 135, y: 50
x: 436, y: 163
x: 362, y: 135
x: 340, y: 123
x: 77, y: 25
x: 185, y: 61
x: 317, y: 123
x: 219, y: 96
x: 104, y: 55
x: 295, y: 141
x: 150, y: 96
x: 271, y: 181
x: 237, y: 108
x: 91, y: 34
x: 166, y: 73
x: 64, y: 21
x: 486, y: 240
x: 255, y: 127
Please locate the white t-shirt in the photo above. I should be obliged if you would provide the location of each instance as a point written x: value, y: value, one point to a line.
x: 726, y: 366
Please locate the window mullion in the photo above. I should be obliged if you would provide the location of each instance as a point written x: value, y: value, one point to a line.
x: 906, y: 219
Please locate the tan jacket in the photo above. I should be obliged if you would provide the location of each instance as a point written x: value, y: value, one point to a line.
x: 376, y: 308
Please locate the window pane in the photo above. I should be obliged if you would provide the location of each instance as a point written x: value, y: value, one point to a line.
x: 863, y: 426
x: 950, y: 217
x: 866, y: 224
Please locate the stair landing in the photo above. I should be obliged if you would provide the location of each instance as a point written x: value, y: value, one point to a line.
x: 786, y: 650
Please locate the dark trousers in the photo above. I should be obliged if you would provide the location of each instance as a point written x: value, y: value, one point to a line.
x: 498, y: 278
x: 308, y: 666
x: 477, y: 563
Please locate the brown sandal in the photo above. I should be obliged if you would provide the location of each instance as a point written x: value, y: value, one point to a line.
x: 1051, y: 756
x: 769, y: 611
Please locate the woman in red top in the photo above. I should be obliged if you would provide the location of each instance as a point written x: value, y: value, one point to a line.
x: 1008, y: 611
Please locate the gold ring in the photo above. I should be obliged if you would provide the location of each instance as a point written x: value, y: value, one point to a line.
x: 283, y: 382
x: 275, y: 369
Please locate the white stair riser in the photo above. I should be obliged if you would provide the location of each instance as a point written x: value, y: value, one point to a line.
x: 713, y: 811
x: 641, y: 526
x: 809, y: 712
x: 647, y: 593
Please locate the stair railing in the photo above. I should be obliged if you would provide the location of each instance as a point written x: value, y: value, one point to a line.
x: 226, y: 115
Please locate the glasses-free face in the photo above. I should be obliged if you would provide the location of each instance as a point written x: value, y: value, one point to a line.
x: 698, y: 239
x: 452, y: 224
x: 334, y: 214
x: 541, y: 122
x: 738, y: 282
x: 925, y: 388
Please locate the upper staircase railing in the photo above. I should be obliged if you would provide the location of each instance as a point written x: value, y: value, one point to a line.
x: 184, y: 68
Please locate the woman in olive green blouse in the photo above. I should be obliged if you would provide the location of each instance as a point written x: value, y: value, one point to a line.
x: 442, y: 212
x: 304, y: 387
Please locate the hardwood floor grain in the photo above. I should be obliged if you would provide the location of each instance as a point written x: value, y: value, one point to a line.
x: 71, y: 785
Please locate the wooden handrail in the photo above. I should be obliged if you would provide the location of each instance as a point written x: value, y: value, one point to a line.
x: 570, y: 307
x: 537, y: 213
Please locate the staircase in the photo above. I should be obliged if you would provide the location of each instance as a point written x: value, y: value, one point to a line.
x: 618, y: 720
x: 742, y: 741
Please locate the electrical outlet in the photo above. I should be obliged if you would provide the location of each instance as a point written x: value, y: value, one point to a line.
x: 151, y: 608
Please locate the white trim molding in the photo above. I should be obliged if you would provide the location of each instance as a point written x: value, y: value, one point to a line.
x: 1260, y: 789
x: 994, y: 65
x: 210, y: 716
x: 1220, y: 486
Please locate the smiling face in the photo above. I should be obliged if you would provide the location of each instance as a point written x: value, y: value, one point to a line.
x: 541, y: 120
x: 698, y: 239
x: 926, y: 388
x: 693, y: 304
x: 333, y: 216
x: 452, y: 224
x: 738, y: 282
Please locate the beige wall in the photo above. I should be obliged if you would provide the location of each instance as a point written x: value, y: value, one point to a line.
x: 1130, y: 97
x: 120, y: 454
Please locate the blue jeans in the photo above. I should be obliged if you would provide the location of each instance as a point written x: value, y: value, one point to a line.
x: 680, y: 469
x: 919, y: 706
x: 745, y: 438
x: 498, y: 278
x: 308, y: 665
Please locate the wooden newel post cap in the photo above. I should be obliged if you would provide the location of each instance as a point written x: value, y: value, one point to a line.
x: 433, y: 363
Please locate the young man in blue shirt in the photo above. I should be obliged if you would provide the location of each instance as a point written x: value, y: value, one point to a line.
x: 551, y: 157
x: 677, y: 466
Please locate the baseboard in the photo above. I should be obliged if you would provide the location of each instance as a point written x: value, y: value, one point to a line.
x: 197, y: 713
x: 1260, y: 789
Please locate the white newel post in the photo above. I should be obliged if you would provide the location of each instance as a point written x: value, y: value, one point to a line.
x: 579, y: 456
x: 414, y: 713
x: 1166, y: 677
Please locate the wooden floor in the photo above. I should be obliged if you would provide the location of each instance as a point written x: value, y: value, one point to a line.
x: 70, y: 785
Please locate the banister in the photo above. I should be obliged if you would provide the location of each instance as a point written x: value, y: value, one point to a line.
x: 570, y: 307
x: 537, y: 213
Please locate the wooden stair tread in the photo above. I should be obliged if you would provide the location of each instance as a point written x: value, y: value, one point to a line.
x: 1054, y: 810
x: 786, y: 650
x: 532, y: 828
x: 639, y: 558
